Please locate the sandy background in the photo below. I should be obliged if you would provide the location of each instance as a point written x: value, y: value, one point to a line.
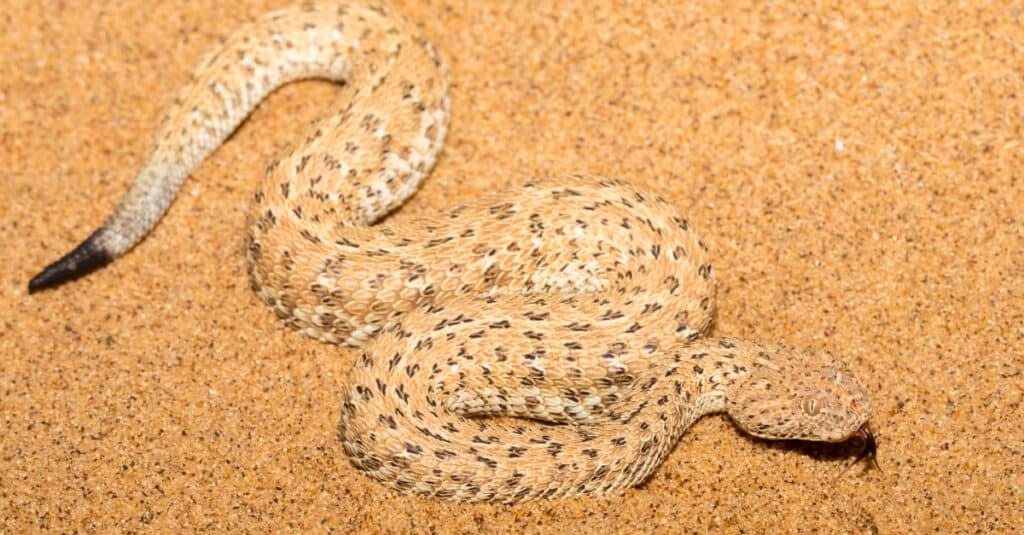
x: 858, y: 172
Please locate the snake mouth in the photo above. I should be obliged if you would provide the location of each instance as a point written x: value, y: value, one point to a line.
x: 869, y: 447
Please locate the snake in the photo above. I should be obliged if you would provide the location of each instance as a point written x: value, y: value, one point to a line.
x: 548, y: 339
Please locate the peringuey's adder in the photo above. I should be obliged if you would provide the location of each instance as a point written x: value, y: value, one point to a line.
x: 578, y: 304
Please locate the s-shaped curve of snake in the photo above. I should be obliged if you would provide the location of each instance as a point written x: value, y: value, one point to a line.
x: 576, y: 304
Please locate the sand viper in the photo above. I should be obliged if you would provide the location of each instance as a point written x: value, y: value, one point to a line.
x: 578, y: 305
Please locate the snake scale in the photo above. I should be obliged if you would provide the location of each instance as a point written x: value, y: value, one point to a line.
x: 578, y: 305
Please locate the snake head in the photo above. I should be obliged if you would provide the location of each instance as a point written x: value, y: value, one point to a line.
x: 800, y: 396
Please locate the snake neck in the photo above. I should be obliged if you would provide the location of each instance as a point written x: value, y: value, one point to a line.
x: 716, y: 369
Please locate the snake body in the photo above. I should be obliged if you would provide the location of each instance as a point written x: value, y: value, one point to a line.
x: 579, y: 305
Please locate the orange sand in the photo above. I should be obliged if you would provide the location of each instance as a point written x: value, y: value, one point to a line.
x: 858, y: 172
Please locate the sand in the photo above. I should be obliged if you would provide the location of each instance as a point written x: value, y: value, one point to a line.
x: 857, y: 171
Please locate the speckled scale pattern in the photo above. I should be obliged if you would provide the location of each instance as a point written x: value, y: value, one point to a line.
x: 355, y: 165
x: 579, y: 234
x: 578, y: 304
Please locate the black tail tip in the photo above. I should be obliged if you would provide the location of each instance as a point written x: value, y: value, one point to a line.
x: 86, y: 258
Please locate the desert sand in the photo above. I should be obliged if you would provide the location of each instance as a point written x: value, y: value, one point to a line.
x: 857, y: 170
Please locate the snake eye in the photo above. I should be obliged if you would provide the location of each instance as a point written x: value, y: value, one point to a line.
x: 812, y: 405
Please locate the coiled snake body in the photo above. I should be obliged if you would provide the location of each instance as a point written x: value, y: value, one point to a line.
x: 577, y: 304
